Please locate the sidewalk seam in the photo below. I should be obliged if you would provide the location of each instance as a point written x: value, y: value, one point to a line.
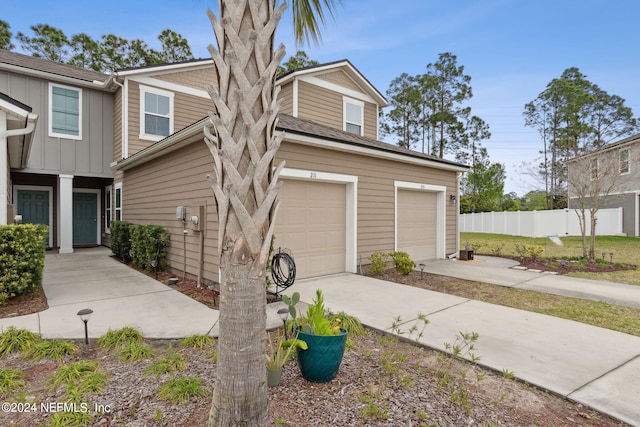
x: 636, y: 357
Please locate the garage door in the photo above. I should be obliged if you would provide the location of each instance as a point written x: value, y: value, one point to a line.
x: 311, y: 222
x: 417, y: 224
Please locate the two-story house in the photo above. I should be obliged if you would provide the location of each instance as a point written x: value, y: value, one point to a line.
x: 127, y: 146
x: 345, y: 194
x: 56, y: 146
x: 612, y: 175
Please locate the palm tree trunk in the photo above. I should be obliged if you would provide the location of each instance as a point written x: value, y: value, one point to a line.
x: 243, y: 142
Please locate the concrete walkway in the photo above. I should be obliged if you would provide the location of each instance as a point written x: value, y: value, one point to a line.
x: 594, y: 366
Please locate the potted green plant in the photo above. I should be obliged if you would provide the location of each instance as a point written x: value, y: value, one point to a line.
x: 325, y: 340
x: 279, y: 354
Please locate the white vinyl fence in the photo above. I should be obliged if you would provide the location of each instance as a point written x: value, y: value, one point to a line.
x: 561, y: 222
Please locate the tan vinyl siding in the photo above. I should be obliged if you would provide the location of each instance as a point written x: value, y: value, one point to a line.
x: 375, y: 190
x: 319, y: 105
x: 370, y: 120
x: 339, y: 78
x: 286, y: 99
x: 199, y: 79
x: 152, y: 192
x: 187, y: 109
x: 325, y: 107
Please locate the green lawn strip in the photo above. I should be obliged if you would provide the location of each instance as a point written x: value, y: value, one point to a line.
x: 625, y: 250
x: 596, y: 313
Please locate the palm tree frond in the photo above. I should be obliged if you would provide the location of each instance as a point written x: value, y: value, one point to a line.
x: 309, y: 16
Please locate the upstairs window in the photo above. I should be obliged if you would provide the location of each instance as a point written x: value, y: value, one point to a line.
x: 65, y: 112
x: 624, y: 161
x: 156, y: 113
x: 353, y: 116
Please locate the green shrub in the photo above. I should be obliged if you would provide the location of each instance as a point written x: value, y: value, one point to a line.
x: 121, y: 239
x: 53, y: 349
x: 18, y: 340
x: 534, y: 251
x: 182, y: 389
x: 11, y: 380
x: 403, y: 262
x: 197, y: 341
x: 378, y: 262
x: 496, y: 249
x: 22, y: 249
x: 134, y: 351
x: 149, y: 242
x: 120, y: 337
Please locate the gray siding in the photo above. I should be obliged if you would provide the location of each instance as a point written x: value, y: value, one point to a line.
x: 90, y: 156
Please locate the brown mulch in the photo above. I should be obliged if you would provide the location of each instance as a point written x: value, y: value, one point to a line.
x: 25, y: 304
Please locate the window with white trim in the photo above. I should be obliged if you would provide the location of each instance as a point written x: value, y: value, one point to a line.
x: 624, y: 161
x: 353, y: 112
x: 107, y: 208
x: 117, y: 202
x: 156, y: 113
x: 65, y: 111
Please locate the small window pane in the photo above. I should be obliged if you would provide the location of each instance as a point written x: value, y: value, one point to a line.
x: 156, y: 104
x: 65, y: 114
x: 155, y: 125
x: 351, y: 128
x: 353, y: 113
x: 118, y: 198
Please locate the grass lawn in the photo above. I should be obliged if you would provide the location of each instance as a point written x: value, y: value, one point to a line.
x: 625, y: 250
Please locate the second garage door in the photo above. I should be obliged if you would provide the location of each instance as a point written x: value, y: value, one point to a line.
x: 416, y: 223
x: 311, y: 222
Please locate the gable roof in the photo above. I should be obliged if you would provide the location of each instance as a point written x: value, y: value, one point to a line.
x: 31, y: 65
x: 298, y: 131
x: 346, y: 66
x: 618, y: 144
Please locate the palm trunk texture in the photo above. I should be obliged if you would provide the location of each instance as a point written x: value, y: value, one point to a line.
x: 243, y: 142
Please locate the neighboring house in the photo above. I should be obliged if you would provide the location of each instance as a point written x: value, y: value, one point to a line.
x: 613, y: 170
x: 56, y: 149
x: 345, y: 194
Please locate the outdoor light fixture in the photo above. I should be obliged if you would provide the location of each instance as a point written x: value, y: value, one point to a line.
x: 422, y: 266
x: 84, y: 314
x: 603, y: 254
x: 284, y: 313
x: 610, y: 256
x: 154, y: 265
x: 452, y: 198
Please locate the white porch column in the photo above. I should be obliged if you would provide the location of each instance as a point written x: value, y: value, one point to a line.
x: 4, y: 172
x: 65, y: 213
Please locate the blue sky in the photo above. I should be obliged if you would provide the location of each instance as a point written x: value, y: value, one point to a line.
x: 510, y: 48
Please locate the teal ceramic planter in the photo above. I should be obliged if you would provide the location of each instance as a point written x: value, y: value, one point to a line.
x: 321, y: 361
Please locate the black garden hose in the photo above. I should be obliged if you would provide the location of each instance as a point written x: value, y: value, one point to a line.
x: 281, y: 277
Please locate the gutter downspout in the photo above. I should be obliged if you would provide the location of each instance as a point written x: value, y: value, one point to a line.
x: 4, y: 158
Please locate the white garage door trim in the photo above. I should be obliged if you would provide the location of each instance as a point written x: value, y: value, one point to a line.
x: 351, y: 182
x: 441, y: 229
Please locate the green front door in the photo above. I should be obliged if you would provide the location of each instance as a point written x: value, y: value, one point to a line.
x: 85, y: 218
x: 33, y: 205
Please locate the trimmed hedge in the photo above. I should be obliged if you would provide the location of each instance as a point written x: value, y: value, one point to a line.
x: 149, y: 242
x: 22, y: 250
x: 140, y: 244
x: 121, y: 239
